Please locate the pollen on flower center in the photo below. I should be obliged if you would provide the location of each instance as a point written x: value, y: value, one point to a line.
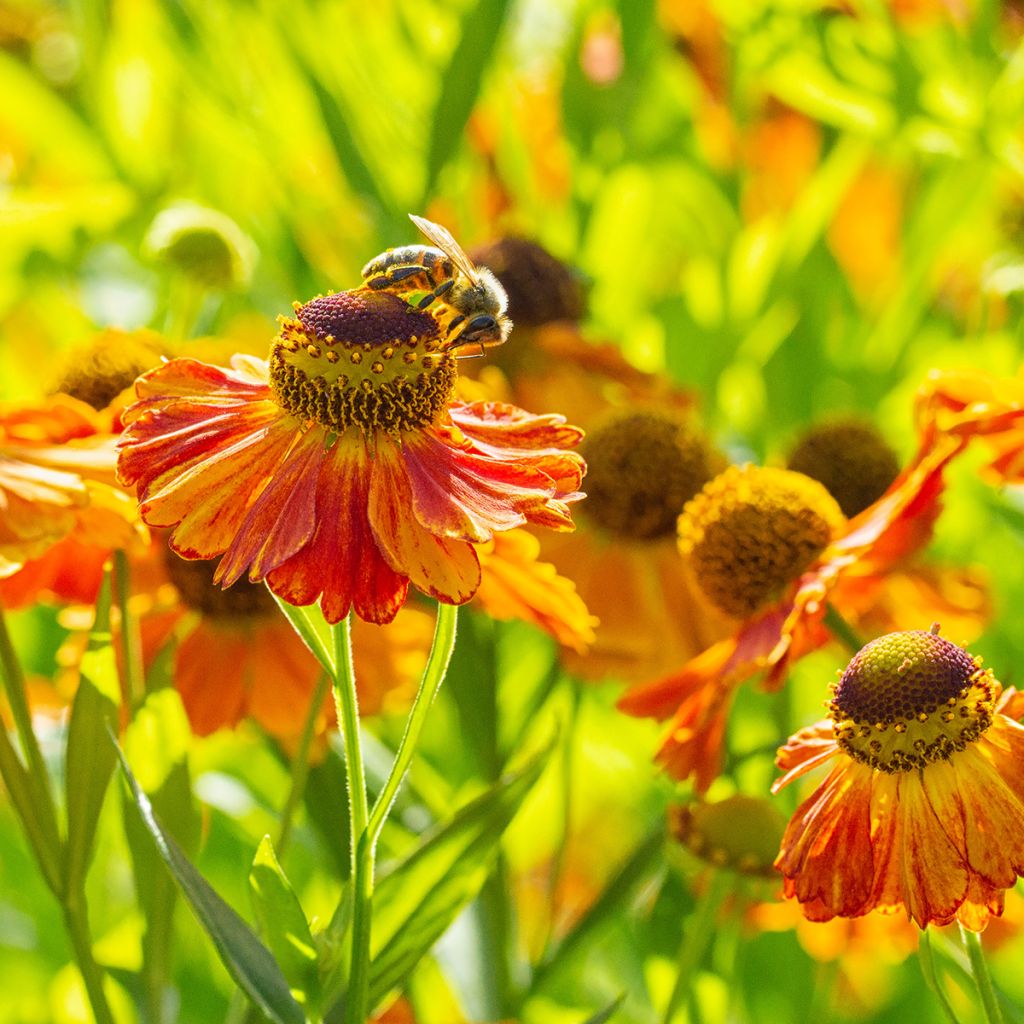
x: 751, y: 531
x: 910, y: 698
x: 193, y: 579
x: 642, y: 468
x: 363, y: 359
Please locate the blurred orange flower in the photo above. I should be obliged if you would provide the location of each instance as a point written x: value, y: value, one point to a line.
x: 337, y: 488
x: 57, y: 484
x: 773, y: 553
x: 924, y: 808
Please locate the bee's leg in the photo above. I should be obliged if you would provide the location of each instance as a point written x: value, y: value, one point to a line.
x: 442, y: 289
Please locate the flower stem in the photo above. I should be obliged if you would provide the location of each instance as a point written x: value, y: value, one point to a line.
x: 300, y: 764
x: 433, y: 674
x: 927, y: 961
x: 39, y: 799
x: 842, y: 630
x: 347, y: 703
x: 131, y: 641
x: 982, y: 978
x: 695, y: 940
x: 76, y: 920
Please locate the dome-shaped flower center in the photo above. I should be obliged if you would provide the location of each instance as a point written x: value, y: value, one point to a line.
x: 364, y: 359
x: 641, y: 469
x: 540, y: 288
x: 97, y: 372
x: 910, y: 698
x: 851, y: 459
x: 741, y: 833
x: 753, y: 531
x: 194, y: 582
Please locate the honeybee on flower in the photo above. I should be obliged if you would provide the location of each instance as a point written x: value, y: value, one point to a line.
x: 344, y: 467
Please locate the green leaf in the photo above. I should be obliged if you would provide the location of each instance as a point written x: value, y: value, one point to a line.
x: 157, y: 744
x: 90, y: 759
x: 461, y: 85
x: 419, y: 897
x: 44, y: 841
x: 247, y: 960
x: 285, y: 927
x: 313, y: 631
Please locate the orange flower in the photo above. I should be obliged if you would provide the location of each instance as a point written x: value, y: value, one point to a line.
x: 235, y: 657
x: 515, y: 584
x: 56, y: 482
x: 343, y: 469
x: 645, y: 457
x: 771, y: 548
x: 924, y: 808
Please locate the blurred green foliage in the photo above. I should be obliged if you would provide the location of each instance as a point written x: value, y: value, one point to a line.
x: 788, y: 206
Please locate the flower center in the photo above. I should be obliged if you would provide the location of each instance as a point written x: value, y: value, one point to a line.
x: 363, y: 359
x: 97, y: 372
x: 851, y: 459
x: 540, y: 288
x: 641, y: 469
x: 741, y: 832
x: 753, y: 531
x: 910, y: 698
x: 194, y: 582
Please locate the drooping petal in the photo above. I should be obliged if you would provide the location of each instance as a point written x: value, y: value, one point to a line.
x: 804, y: 751
x: 459, y: 494
x: 934, y: 874
x: 827, y: 855
x: 201, y: 445
x: 446, y: 569
x: 341, y: 561
x: 281, y: 519
x: 514, y: 584
x: 210, y: 675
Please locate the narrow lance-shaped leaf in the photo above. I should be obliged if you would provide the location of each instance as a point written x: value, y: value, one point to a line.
x: 461, y: 85
x: 285, y: 927
x: 247, y: 960
x: 90, y: 758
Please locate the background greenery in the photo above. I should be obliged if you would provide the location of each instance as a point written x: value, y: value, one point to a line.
x: 787, y: 207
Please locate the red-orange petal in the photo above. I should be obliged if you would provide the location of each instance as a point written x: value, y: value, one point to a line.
x: 341, y: 561
x: 446, y: 569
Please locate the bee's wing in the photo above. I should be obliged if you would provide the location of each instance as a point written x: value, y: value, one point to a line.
x: 442, y: 238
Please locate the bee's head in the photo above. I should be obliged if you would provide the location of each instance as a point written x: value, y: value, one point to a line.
x: 483, y: 304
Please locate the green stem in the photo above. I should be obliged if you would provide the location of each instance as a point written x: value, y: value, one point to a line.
x: 131, y: 639
x: 433, y: 674
x: 47, y: 841
x: 300, y: 764
x: 695, y: 940
x: 347, y: 703
x: 76, y: 919
x: 927, y: 959
x: 842, y: 630
x: 982, y: 978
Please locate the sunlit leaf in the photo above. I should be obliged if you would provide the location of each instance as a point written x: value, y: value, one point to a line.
x: 285, y: 927
x: 90, y: 757
x: 247, y: 960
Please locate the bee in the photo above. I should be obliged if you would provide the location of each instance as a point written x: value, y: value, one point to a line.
x: 468, y: 302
